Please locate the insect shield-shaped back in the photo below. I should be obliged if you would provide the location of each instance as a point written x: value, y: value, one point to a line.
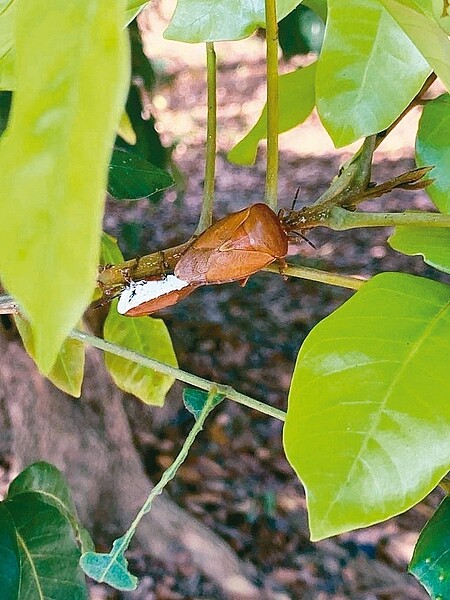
x: 234, y: 248
x: 141, y: 298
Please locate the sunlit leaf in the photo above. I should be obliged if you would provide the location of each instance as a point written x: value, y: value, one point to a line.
x: 431, y: 560
x: 68, y: 370
x: 7, y: 16
x: 365, y: 59
x: 149, y: 337
x: 441, y: 12
x: 200, y: 21
x: 132, y: 177
x: 126, y: 130
x: 416, y: 18
x: 9, y: 557
x: 432, y: 243
x: 133, y: 8
x: 110, y: 253
x: 55, y: 157
x: 48, y: 549
x: 296, y: 102
x: 433, y: 148
x: 47, y: 481
x: 369, y: 392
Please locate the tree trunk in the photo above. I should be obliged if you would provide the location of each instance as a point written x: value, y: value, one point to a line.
x: 90, y: 441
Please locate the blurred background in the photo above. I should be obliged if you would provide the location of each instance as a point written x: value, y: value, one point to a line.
x: 236, y: 479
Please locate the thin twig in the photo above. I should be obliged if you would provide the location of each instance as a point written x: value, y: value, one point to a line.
x: 345, y: 281
x: 206, y: 215
x: 271, y: 191
x: 176, y: 373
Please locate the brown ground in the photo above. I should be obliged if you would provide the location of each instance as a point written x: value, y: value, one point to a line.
x: 236, y: 479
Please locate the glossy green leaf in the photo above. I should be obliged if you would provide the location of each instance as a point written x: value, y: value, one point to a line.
x: 68, y: 370
x: 441, y: 12
x: 110, y: 253
x: 368, y: 424
x: 194, y: 400
x: 416, y: 18
x: 433, y: 148
x: 7, y: 17
x: 433, y: 243
x: 133, y: 8
x: 320, y: 7
x: 296, y: 102
x: 9, y: 557
x: 200, y: 21
x: 55, y: 157
x: 149, y: 337
x: 365, y: 59
x: 430, y: 563
x: 48, y: 549
x: 5, y: 107
x: 131, y: 177
x: 47, y: 481
x: 110, y: 568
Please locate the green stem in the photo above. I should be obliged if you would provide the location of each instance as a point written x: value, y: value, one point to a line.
x: 206, y: 215
x: 271, y: 192
x: 168, y: 475
x: 346, y: 281
x: 184, y: 376
x: 340, y: 219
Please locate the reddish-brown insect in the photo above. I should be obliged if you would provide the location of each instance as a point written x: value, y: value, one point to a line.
x: 144, y: 297
x: 234, y: 248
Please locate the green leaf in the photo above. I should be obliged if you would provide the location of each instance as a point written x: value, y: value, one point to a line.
x: 7, y: 17
x: 365, y: 59
x: 133, y: 8
x: 49, y: 552
x: 149, y: 337
x: 433, y: 243
x: 368, y: 425
x: 9, y: 557
x: 441, y: 12
x: 132, y: 177
x: 296, y: 102
x: 430, y: 563
x: 47, y: 481
x: 433, y: 148
x: 200, y: 21
x: 54, y: 160
x: 68, y: 370
x: 5, y: 107
x: 194, y: 400
x: 125, y: 129
x: 111, y: 568
x: 110, y: 253
x: 417, y: 20
x: 320, y: 7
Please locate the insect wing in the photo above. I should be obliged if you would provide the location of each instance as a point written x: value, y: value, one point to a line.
x: 234, y: 247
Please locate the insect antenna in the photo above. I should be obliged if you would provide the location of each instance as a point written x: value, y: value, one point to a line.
x: 297, y: 234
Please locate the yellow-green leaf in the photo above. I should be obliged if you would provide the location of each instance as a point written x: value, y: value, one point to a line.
x: 68, y: 370
x: 416, y: 19
x: 149, y: 337
x: 296, y: 102
x: 54, y: 160
x: 7, y: 15
x: 126, y: 130
x: 200, y: 21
